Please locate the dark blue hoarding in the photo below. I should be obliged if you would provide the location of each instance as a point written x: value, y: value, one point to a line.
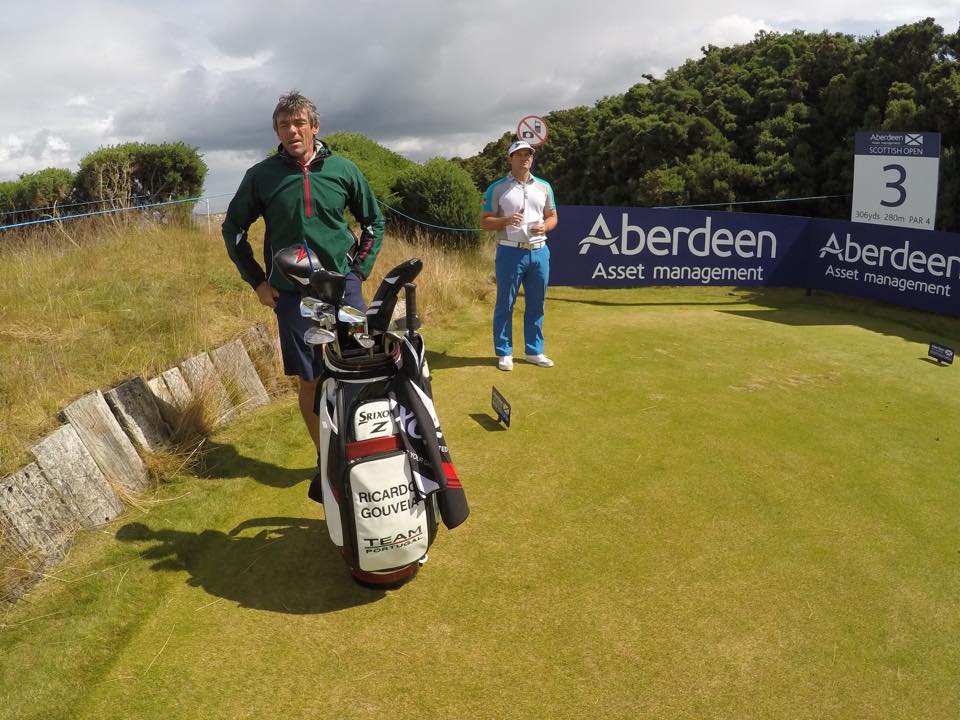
x: 631, y: 247
x: 918, y: 268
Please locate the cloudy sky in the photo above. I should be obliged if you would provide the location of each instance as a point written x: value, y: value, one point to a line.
x: 423, y: 78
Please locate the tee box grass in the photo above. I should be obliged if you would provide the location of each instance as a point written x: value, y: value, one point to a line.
x: 719, y: 503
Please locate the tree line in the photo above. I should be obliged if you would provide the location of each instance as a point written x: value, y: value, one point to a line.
x: 772, y: 119
x: 111, y: 177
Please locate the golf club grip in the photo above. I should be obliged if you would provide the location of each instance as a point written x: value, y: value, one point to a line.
x: 410, y: 294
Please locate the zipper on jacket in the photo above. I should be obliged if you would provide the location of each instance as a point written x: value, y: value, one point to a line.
x: 306, y: 187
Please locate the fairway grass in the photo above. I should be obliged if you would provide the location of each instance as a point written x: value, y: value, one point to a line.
x: 718, y: 504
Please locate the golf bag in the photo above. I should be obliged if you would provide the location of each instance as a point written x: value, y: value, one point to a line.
x: 385, y: 469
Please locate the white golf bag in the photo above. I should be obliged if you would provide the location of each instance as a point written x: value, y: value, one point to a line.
x: 369, y: 494
x: 385, y: 469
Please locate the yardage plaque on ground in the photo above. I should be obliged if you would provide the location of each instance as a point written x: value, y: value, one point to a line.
x: 941, y: 353
x: 500, y: 406
x: 895, y: 178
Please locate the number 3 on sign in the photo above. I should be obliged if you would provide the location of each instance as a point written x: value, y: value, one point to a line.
x: 896, y: 185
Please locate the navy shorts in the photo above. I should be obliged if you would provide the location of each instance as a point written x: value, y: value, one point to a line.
x: 306, y: 361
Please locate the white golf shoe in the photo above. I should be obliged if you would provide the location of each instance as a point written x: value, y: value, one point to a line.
x: 541, y: 360
x: 505, y: 362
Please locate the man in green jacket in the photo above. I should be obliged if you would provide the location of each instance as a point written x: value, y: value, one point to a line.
x: 301, y: 193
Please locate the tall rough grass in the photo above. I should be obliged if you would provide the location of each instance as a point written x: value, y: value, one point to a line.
x: 87, y: 305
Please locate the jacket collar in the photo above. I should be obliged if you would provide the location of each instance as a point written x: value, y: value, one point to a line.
x: 321, y: 153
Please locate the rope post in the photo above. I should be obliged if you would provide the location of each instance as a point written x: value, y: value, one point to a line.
x: 209, y: 229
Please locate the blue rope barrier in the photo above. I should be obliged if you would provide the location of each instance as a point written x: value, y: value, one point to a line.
x: 426, y: 224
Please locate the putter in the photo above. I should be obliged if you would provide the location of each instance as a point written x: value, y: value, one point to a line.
x: 413, y: 321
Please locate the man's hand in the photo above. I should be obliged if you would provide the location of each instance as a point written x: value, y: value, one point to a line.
x: 267, y: 294
x: 538, y: 229
x: 515, y: 219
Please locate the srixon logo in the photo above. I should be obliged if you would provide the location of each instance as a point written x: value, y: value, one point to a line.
x: 381, y: 544
x: 379, y: 419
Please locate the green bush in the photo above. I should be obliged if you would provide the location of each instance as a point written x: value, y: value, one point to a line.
x: 42, y: 192
x: 140, y: 173
x: 8, y: 192
x: 106, y: 174
x: 168, y: 171
x: 441, y: 193
x: 381, y: 166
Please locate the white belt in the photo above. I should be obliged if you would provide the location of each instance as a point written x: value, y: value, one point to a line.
x: 532, y: 245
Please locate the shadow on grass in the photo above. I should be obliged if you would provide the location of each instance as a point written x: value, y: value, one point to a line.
x: 223, y: 461
x: 740, y: 300
x: 487, y: 423
x: 280, y: 564
x: 443, y: 360
x: 792, y: 306
x: 934, y: 362
x: 795, y: 307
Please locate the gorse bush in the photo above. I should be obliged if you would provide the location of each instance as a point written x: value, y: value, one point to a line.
x: 139, y: 173
x: 381, y: 166
x: 441, y: 193
x: 111, y: 177
x: 44, y: 189
x: 106, y: 174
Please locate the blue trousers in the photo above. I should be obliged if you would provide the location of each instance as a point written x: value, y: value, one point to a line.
x: 517, y: 267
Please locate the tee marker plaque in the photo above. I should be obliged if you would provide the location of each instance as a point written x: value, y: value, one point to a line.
x: 500, y: 406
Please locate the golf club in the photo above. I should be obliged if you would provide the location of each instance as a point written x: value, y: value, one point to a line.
x: 385, y: 299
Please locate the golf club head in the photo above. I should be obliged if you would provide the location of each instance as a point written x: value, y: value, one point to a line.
x: 296, y: 263
x: 328, y: 285
x: 321, y: 312
x: 308, y: 306
x: 319, y: 336
x: 385, y: 299
x: 352, y: 324
x: 350, y: 316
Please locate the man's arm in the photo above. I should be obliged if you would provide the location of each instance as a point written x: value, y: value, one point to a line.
x: 365, y: 208
x: 492, y: 221
x: 550, y: 220
x: 241, y: 213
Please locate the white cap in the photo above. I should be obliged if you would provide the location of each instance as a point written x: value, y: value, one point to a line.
x: 520, y: 145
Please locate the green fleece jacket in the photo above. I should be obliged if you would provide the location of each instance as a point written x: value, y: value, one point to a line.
x: 304, y: 203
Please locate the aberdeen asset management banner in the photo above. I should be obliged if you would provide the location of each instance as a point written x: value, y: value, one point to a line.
x: 630, y: 247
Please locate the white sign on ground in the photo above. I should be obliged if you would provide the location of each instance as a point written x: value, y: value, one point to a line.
x: 895, y: 178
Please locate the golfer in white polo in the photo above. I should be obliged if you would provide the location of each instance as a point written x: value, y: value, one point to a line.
x: 521, y: 209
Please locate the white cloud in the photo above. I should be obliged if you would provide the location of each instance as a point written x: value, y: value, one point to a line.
x: 733, y: 30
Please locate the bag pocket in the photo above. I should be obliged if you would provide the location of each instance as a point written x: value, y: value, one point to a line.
x: 391, y: 528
